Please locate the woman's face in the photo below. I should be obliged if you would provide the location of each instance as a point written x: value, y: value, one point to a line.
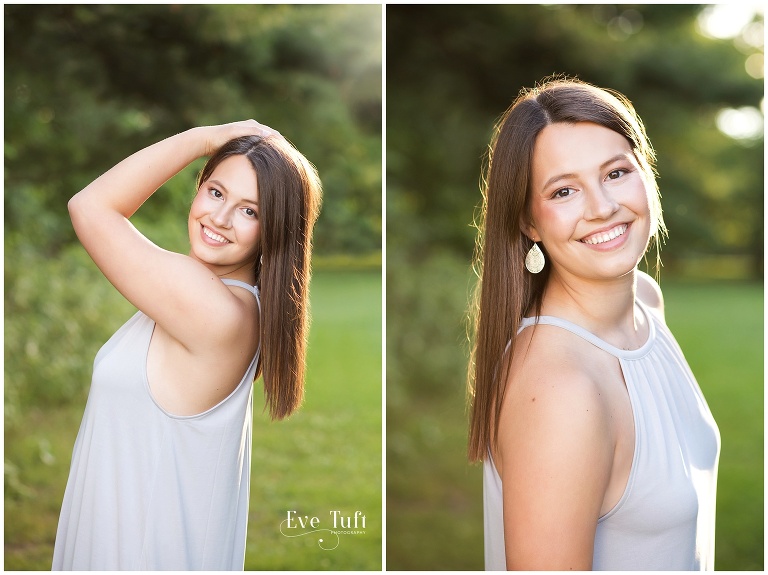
x: 589, y: 201
x: 224, y: 229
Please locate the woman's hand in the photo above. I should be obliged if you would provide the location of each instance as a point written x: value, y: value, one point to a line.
x: 217, y: 136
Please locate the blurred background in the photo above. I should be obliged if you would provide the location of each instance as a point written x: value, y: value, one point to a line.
x: 695, y: 75
x: 85, y: 86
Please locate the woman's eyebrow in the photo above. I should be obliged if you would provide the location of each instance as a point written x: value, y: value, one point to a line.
x: 617, y: 157
x: 221, y: 185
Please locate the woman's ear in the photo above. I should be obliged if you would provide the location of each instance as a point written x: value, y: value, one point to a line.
x: 529, y: 229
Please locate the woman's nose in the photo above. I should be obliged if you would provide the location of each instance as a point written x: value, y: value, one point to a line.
x: 600, y: 203
x: 222, y: 216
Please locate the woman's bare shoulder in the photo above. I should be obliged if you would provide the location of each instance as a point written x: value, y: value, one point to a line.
x: 556, y: 372
x: 649, y: 292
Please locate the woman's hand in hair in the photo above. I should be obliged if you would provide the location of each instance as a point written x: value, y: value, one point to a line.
x: 217, y: 136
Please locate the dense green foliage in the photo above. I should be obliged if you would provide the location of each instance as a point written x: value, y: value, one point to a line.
x: 451, y: 72
x: 88, y: 85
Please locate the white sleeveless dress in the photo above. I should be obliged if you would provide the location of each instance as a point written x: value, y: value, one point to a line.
x: 665, y: 519
x: 148, y: 490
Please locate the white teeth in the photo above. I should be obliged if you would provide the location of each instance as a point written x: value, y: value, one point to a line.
x: 215, y: 237
x: 606, y: 236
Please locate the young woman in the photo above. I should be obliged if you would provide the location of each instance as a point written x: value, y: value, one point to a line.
x: 599, y: 449
x: 161, y: 466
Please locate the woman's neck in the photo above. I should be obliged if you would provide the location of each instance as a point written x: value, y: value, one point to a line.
x: 604, y: 308
x: 244, y: 273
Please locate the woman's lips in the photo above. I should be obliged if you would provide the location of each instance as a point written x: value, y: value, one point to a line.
x: 605, y: 236
x: 214, y: 237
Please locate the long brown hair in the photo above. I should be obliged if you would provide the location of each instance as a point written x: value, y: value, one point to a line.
x: 289, y: 202
x: 506, y: 292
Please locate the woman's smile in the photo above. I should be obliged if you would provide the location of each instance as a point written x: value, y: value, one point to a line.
x: 212, y: 238
x: 605, y: 238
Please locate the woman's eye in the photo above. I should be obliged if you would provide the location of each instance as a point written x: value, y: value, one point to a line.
x: 250, y: 212
x: 616, y: 174
x: 563, y: 193
x: 216, y: 193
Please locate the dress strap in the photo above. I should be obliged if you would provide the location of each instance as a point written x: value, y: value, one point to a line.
x: 592, y: 338
x: 253, y: 289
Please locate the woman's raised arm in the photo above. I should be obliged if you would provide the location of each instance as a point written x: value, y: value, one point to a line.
x: 173, y: 289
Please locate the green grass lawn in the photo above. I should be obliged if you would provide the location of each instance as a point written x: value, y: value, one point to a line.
x: 325, y: 458
x: 720, y: 328
x: 434, y: 498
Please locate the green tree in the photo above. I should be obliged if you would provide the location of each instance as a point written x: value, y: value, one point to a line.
x: 87, y: 85
x: 452, y: 71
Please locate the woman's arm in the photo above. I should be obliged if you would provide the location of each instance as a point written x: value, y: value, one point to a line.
x: 176, y: 291
x: 555, y: 457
